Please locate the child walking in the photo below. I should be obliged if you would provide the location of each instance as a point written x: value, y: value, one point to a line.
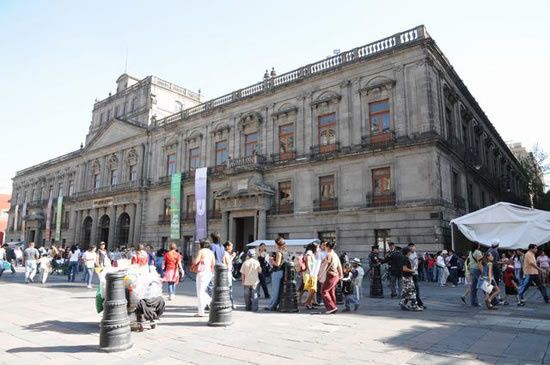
x: 348, y: 286
x: 511, y: 285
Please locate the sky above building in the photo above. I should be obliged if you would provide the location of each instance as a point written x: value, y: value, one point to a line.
x: 59, y: 56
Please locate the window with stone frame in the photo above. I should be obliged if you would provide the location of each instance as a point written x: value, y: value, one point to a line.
x: 379, y: 116
x: 166, y: 208
x: 221, y: 152
x: 66, y: 219
x: 170, y: 163
x: 286, y: 141
x: 71, y: 188
x: 96, y: 181
x: 449, y: 121
x: 328, y: 236
x: 381, y: 181
x: 132, y: 172
x: 60, y: 189
x: 250, y: 144
x: 114, y: 177
x: 327, y: 132
x: 326, y: 188
x: 194, y: 158
x: 108, y: 115
x: 285, y: 198
x: 382, y: 239
x: 190, y: 209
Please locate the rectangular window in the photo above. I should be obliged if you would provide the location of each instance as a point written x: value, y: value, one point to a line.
x: 114, y: 177
x: 326, y: 188
x: 101, y: 118
x: 117, y: 110
x: 221, y: 152
x: 108, y: 115
x: 66, y: 220
x: 456, y: 183
x: 60, y: 189
x: 71, y: 188
x: 133, y: 173
x: 215, y: 205
x: 381, y: 181
x: 250, y: 143
x: 50, y: 193
x: 329, y: 236
x: 327, y: 129
x: 194, y: 158
x: 97, y: 181
x: 285, y: 197
x: 449, y: 122
x: 170, y: 164
x: 166, y: 207
x: 286, y: 139
x: 190, y: 205
x: 382, y: 239
x: 379, y: 116
x: 133, y: 106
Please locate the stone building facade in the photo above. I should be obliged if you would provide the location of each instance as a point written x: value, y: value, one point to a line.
x: 380, y: 142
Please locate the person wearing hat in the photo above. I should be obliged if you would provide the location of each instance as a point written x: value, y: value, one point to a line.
x: 250, y: 276
x: 376, y: 289
x: 359, y: 273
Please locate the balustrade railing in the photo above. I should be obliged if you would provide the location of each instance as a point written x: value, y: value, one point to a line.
x: 286, y: 208
x: 283, y: 156
x: 256, y: 160
x: 324, y: 149
x: 325, y: 204
x: 328, y: 64
x: 164, y: 219
x: 386, y: 199
x: 378, y: 140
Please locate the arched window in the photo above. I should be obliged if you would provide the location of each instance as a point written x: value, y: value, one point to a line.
x: 123, y: 229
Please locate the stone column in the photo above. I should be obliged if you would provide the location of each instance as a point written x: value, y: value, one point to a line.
x: 112, y: 220
x: 76, y: 225
x: 137, y: 225
x: 93, y: 235
x: 262, y: 225
x: 232, y: 228
x: 132, y: 214
x: 225, y: 221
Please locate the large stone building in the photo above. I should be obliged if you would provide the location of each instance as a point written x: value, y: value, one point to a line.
x: 380, y: 142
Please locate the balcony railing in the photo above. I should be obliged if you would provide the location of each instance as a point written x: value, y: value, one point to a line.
x: 218, y: 169
x: 283, y: 156
x: 214, y: 214
x: 378, y: 140
x: 164, y: 219
x: 325, y: 150
x: 325, y: 204
x: 107, y: 189
x: 287, y: 208
x: 254, y: 161
x: 188, y: 217
x: 459, y: 202
x: 376, y: 200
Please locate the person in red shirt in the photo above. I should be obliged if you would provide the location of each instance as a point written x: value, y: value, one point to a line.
x: 510, y: 284
x: 140, y: 258
x: 430, y: 262
x: 172, y: 269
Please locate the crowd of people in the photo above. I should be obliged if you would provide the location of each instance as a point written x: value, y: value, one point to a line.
x: 319, y: 271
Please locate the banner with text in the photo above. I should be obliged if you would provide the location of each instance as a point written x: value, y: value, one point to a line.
x: 201, y: 230
x: 49, y: 218
x: 58, y: 218
x: 175, y: 197
x: 23, y: 214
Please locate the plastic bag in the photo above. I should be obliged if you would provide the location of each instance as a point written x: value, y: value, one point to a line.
x: 98, y: 301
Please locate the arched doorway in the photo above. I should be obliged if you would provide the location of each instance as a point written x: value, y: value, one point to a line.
x: 104, y: 223
x: 123, y: 229
x: 86, y: 231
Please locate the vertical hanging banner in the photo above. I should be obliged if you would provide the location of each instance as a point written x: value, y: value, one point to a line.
x: 23, y: 214
x: 48, y: 235
x: 16, y: 216
x: 58, y: 218
x: 201, y: 230
x: 175, y: 197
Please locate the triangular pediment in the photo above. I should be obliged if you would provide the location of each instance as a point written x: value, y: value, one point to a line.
x: 113, y: 132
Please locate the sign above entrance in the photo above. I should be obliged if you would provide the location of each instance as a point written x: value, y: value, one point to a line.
x: 102, y: 203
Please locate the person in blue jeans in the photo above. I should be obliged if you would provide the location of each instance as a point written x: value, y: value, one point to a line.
x: 474, y: 263
x: 531, y: 273
x: 277, y: 273
x: 74, y: 257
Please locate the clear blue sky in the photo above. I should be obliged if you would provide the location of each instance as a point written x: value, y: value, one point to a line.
x: 56, y: 57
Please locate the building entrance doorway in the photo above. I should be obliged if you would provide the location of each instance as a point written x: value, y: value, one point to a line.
x: 104, y: 223
x: 244, y: 232
x: 32, y: 234
x: 86, y: 232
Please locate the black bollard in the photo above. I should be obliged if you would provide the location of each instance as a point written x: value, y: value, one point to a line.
x: 220, y: 307
x: 376, y: 289
x: 114, y: 332
x: 339, y: 293
x: 288, y: 300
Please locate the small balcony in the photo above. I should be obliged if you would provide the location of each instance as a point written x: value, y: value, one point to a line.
x: 325, y: 204
x: 255, y: 161
x: 164, y: 219
x: 287, y: 208
x: 379, y: 200
x: 283, y: 157
x: 214, y: 214
x: 378, y: 140
x: 324, y: 150
x: 188, y: 217
x: 459, y: 202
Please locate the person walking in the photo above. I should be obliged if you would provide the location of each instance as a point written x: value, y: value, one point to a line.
x: 103, y: 260
x: 172, y: 269
x: 277, y: 272
x: 395, y: 260
x: 531, y: 274
x: 330, y: 274
x: 413, y: 258
x: 453, y: 268
x: 348, y: 288
x: 89, y: 257
x: 217, y: 247
x: 45, y: 267
x: 408, y: 292
x: 442, y: 271
x: 250, y: 276
x: 359, y: 274
x: 74, y: 257
x: 476, y: 268
x: 140, y: 257
x: 264, y: 264
x: 376, y: 288
x: 30, y: 256
x: 203, y: 265
x: 544, y: 264
x: 228, y: 261
x: 489, y: 281
x: 310, y: 278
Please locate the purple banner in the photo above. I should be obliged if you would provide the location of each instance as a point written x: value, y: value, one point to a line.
x: 201, y: 229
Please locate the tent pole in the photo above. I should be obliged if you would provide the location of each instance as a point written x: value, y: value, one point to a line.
x: 452, y: 238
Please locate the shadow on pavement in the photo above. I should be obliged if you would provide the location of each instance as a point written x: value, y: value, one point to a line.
x: 49, y: 349
x: 184, y: 324
x: 66, y: 327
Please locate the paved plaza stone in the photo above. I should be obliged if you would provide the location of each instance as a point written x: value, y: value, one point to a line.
x: 57, y: 324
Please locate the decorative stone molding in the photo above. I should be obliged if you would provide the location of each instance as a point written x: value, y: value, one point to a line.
x: 250, y: 119
x: 450, y: 94
x: 326, y: 98
x: 220, y: 129
x: 284, y: 111
x: 132, y: 157
x: 376, y: 86
x: 193, y: 137
x: 113, y: 162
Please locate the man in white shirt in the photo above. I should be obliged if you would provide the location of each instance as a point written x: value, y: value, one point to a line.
x: 358, y: 281
x: 250, y: 271
x: 442, y: 268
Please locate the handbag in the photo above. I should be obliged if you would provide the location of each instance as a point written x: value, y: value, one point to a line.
x: 486, y: 286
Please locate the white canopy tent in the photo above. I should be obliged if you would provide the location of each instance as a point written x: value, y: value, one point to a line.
x: 515, y: 226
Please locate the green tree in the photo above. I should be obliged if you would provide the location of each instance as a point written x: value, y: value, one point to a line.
x: 535, y: 165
